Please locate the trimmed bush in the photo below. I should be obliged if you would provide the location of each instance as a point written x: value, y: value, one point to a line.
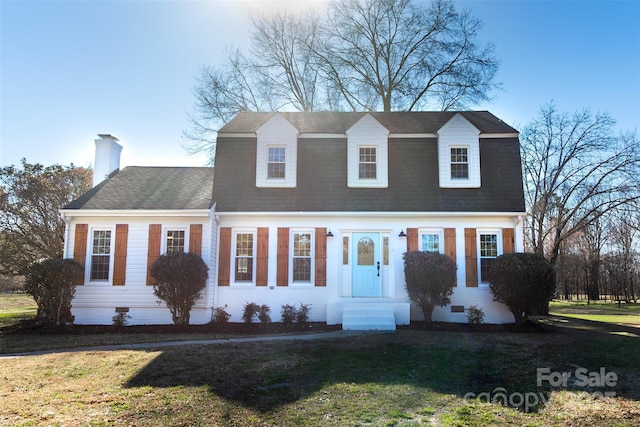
x: 179, y: 280
x: 263, y: 313
x: 50, y: 283
x: 475, y: 315
x: 522, y: 281
x: 220, y: 316
x: 290, y: 314
x: 250, y: 311
x: 430, y: 278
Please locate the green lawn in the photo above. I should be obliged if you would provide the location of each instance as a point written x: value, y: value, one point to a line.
x: 407, y: 378
x: 16, y: 307
x: 626, y: 314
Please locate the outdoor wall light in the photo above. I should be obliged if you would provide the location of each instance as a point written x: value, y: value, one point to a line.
x: 402, y: 233
x: 329, y: 234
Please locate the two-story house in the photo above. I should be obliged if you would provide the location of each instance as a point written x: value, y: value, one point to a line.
x: 312, y: 208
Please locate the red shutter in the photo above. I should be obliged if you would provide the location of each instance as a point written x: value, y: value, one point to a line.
x: 195, y: 239
x: 282, y: 273
x: 262, y: 266
x: 471, y: 257
x: 120, y: 255
x: 321, y: 257
x: 155, y: 235
x: 224, y: 257
x: 450, y: 243
x: 412, y: 239
x: 508, y: 243
x: 80, y: 250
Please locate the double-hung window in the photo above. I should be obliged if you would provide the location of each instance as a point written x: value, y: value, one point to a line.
x: 431, y: 241
x: 100, y: 255
x: 301, y: 254
x: 244, y: 257
x: 488, y: 253
x: 367, y: 163
x: 276, y: 164
x: 174, y: 241
x: 459, y: 163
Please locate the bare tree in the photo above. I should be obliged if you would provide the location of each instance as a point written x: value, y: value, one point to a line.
x: 398, y: 55
x: 575, y: 170
x: 364, y: 55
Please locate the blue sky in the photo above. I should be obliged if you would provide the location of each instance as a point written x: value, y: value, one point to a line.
x: 72, y: 69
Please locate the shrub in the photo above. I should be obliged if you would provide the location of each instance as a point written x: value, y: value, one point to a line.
x: 430, y: 278
x: 291, y: 314
x: 220, y: 316
x: 522, y: 281
x: 50, y: 283
x: 475, y: 315
x: 121, y: 318
x: 263, y: 314
x: 250, y: 311
x: 179, y: 280
x: 288, y: 313
x: 302, y: 316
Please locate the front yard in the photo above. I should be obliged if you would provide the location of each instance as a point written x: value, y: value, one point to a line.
x: 405, y: 378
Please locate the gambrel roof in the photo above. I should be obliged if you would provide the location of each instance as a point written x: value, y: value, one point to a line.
x: 152, y: 188
x: 396, y: 122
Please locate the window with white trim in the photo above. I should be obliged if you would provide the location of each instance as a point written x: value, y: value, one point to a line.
x: 276, y: 153
x: 302, y: 252
x: 367, y: 163
x: 101, y: 247
x: 244, y: 257
x: 174, y: 241
x: 431, y: 240
x: 459, y: 163
x: 488, y: 251
x: 276, y: 164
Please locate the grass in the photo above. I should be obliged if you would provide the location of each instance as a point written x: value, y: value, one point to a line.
x: 408, y: 378
x: 16, y: 307
x: 626, y: 314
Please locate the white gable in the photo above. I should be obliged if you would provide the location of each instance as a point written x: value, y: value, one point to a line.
x: 277, y: 133
x: 459, y: 134
x: 368, y: 134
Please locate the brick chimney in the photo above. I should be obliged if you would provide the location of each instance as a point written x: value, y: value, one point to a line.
x: 107, y: 157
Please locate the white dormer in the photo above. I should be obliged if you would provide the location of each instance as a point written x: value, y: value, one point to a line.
x: 367, y: 154
x: 459, y: 154
x: 277, y: 153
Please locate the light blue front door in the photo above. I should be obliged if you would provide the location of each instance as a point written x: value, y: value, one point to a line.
x: 366, y: 280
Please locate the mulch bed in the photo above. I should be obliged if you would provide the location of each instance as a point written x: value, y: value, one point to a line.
x: 35, y: 328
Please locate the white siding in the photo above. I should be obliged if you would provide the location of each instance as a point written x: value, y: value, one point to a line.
x: 458, y: 132
x: 367, y: 132
x: 277, y: 132
x: 326, y: 302
x: 95, y: 303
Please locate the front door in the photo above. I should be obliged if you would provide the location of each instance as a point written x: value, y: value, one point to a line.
x: 366, y: 280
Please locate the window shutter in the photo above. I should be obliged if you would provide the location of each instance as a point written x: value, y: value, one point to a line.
x: 195, y: 239
x: 450, y: 243
x: 155, y: 234
x: 262, y: 259
x: 80, y: 250
x: 321, y: 257
x: 471, y: 257
x: 412, y: 239
x: 508, y: 243
x: 282, y: 274
x: 224, y: 257
x: 120, y: 255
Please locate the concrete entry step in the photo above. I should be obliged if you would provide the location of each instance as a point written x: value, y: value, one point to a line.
x: 368, y: 317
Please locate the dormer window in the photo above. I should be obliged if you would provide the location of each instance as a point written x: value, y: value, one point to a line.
x: 276, y: 154
x: 367, y: 165
x: 459, y: 163
x: 276, y: 165
x: 459, y: 154
x: 367, y: 154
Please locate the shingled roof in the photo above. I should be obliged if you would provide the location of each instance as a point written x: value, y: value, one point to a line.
x: 425, y: 122
x: 152, y: 188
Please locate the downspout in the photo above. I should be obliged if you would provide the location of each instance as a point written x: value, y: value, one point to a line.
x: 214, y: 222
